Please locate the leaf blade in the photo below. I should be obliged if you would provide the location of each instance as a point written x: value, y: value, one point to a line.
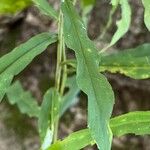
x: 124, y: 23
x: 15, y: 61
x: 146, y: 4
x: 25, y: 102
x: 133, y: 119
x: 137, y: 66
x: 45, y: 8
x: 98, y: 103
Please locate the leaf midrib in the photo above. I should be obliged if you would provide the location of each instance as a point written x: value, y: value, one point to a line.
x: 82, y: 50
x: 45, y: 40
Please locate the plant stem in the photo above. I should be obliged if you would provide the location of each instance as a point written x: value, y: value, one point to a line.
x: 60, y: 53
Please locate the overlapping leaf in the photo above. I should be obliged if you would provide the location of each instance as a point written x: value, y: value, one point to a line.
x: 134, y: 122
x: 15, y: 61
x: 146, y: 4
x: 95, y: 85
x: 13, y: 6
x: 74, y: 141
x: 132, y: 62
x: 24, y: 100
x: 70, y: 96
x: 48, y: 114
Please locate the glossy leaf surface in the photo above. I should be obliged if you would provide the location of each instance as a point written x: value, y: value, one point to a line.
x: 24, y: 100
x: 133, y: 62
x: 15, y: 61
x: 95, y: 85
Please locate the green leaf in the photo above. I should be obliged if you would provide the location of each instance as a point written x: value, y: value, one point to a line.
x: 69, y: 98
x: 146, y: 4
x: 15, y: 61
x: 134, y: 122
x: 48, y: 115
x: 13, y: 6
x: 95, y: 85
x: 74, y: 141
x: 133, y: 62
x: 45, y: 8
x: 24, y: 100
x: 123, y: 24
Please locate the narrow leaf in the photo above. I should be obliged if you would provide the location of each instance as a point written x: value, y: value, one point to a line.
x: 134, y: 122
x: 69, y: 98
x: 15, y: 61
x: 24, y: 100
x: 95, y: 85
x: 146, y: 4
x: 124, y: 23
x: 133, y: 62
x: 48, y: 114
x: 74, y: 141
x: 45, y: 8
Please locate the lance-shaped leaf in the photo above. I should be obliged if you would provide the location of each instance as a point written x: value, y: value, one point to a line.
x: 95, y: 85
x: 45, y: 8
x: 13, y: 6
x: 74, y: 141
x: 15, y: 61
x: 24, y: 100
x: 137, y: 123
x: 48, y: 115
x: 133, y: 62
x: 124, y: 23
x: 134, y: 122
x: 146, y: 4
x: 70, y: 97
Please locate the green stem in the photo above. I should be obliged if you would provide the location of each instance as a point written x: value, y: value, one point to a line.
x: 59, y: 68
x: 64, y: 75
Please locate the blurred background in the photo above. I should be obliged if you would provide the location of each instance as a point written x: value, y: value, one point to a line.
x: 18, y: 131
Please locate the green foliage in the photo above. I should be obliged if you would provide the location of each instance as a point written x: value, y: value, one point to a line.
x: 124, y: 23
x: 133, y: 62
x: 13, y: 6
x: 15, y: 61
x: 69, y: 98
x: 74, y: 141
x: 45, y: 8
x: 48, y: 114
x: 146, y: 4
x: 89, y: 80
x: 24, y: 100
x: 133, y: 122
